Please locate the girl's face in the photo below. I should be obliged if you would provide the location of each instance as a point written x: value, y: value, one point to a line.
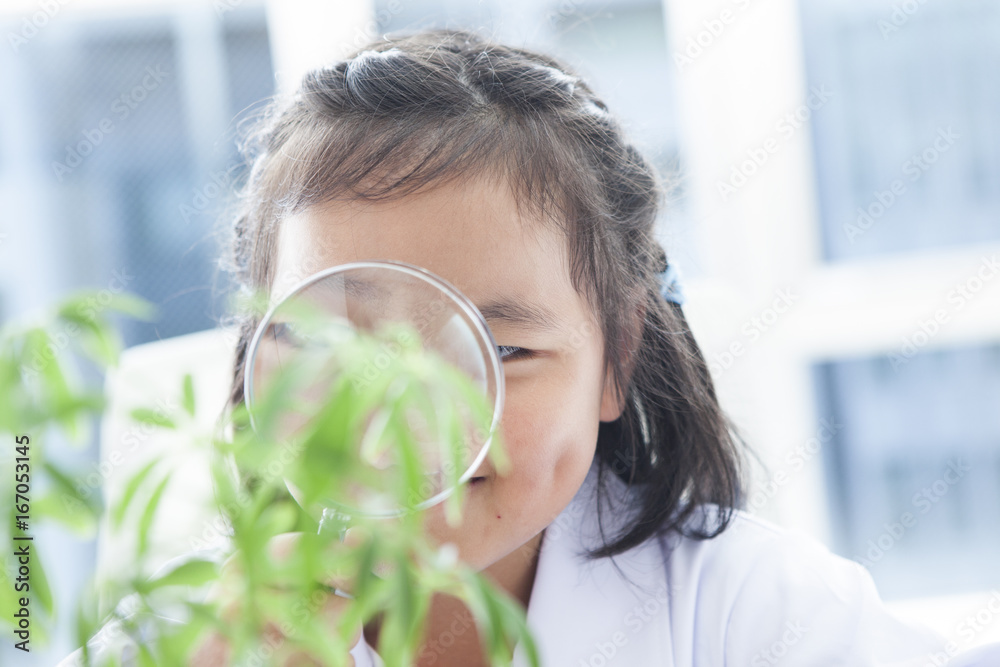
x: 516, y: 271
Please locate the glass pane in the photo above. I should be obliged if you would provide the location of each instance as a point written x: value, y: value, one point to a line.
x: 914, y: 467
x: 908, y: 150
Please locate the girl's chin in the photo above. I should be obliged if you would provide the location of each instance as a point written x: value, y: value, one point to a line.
x: 468, y: 533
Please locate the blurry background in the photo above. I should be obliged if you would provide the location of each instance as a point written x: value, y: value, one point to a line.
x: 836, y: 219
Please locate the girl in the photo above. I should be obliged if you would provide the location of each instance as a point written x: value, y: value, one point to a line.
x: 618, y: 525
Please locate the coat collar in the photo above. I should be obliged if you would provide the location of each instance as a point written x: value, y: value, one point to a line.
x: 581, y: 611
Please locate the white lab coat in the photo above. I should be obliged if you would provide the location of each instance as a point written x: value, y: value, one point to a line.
x: 755, y: 596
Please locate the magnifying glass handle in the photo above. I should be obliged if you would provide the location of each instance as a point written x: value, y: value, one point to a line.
x: 337, y: 522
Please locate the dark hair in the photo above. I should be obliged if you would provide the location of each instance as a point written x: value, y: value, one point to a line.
x: 435, y: 105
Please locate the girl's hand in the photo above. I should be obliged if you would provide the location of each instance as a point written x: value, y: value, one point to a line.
x: 215, y: 650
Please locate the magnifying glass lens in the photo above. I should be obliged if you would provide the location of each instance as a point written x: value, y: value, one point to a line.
x: 393, y: 368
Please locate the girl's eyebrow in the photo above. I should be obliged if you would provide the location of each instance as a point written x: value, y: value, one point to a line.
x: 359, y: 287
x: 520, y: 314
x: 509, y: 311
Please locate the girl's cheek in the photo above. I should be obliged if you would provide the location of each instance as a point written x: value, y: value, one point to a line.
x: 544, y: 420
x: 523, y: 425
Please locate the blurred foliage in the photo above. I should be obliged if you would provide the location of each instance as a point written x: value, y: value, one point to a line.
x: 163, y: 619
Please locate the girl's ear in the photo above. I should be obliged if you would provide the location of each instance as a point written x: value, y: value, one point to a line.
x: 611, y: 405
x: 612, y: 400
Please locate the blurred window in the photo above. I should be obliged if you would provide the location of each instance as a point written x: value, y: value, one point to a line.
x: 137, y: 118
x: 914, y: 467
x: 908, y: 154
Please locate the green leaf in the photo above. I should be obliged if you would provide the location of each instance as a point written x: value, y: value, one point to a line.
x: 8, y: 598
x: 72, y: 414
x: 134, y: 306
x: 146, y: 658
x: 69, y: 511
x: 86, y: 305
x: 181, y: 641
x: 85, y: 623
x: 146, y: 521
x: 278, y: 517
x: 99, y: 340
x: 188, y: 394
x: 134, y: 482
x: 149, y: 416
x: 191, y: 573
x: 40, y: 586
x: 91, y: 501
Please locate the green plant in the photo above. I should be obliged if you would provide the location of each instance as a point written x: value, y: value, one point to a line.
x: 42, y: 392
x: 250, y: 468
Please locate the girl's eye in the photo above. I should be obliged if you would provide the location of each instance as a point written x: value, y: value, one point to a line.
x: 285, y: 334
x: 509, y: 352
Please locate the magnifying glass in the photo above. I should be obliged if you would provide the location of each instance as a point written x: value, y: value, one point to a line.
x: 345, y: 330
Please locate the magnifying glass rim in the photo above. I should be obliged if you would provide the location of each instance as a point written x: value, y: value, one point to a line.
x: 466, y: 305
